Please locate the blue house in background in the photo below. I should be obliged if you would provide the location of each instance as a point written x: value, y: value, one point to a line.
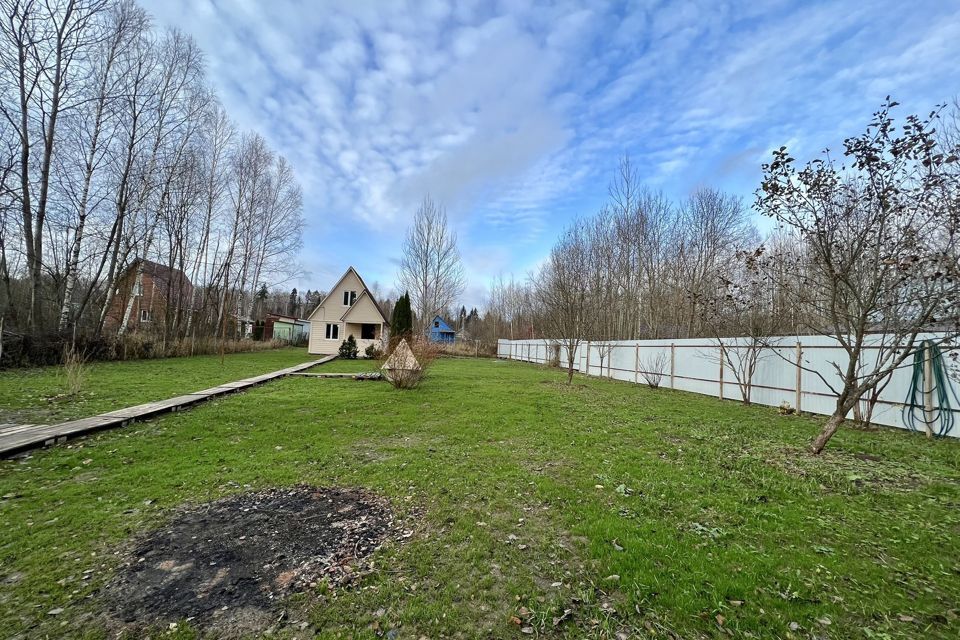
x: 440, y: 331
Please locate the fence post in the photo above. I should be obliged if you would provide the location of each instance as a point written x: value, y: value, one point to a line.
x: 799, y: 375
x: 928, y: 412
x: 673, y: 357
x: 721, y: 371
x: 588, y: 358
x: 636, y: 366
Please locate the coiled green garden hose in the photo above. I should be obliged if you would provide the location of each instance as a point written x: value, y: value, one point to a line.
x: 914, y: 408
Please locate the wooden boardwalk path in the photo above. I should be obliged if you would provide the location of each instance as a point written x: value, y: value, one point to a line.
x: 15, y: 438
x: 359, y: 375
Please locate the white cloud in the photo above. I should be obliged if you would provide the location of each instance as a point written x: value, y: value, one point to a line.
x: 513, y: 114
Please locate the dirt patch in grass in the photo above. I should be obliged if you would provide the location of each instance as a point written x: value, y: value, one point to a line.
x: 844, y: 470
x: 223, y: 565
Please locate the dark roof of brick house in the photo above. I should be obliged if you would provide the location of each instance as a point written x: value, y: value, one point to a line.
x: 162, y: 274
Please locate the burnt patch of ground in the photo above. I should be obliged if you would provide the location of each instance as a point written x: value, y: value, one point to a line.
x: 225, y: 565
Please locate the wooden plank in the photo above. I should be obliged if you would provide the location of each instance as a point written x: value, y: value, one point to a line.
x: 239, y: 384
x: 363, y: 374
x: 15, y: 438
x: 16, y: 428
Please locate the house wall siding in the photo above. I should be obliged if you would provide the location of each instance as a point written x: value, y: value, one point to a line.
x: 363, y: 312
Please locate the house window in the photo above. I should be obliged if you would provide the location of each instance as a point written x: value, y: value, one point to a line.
x: 333, y: 332
x: 368, y: 331
x: 145, y: 315
x: 349, y: 297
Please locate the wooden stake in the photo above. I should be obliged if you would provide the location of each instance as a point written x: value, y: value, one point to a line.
x: 673, y: 357
x: 636, y: 366
x: 928, y: 413
x: 588, y: 358
x: 799, y: 384
x: 721, y: 371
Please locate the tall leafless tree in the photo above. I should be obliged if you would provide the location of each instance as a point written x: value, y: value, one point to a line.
x: 430, y: 269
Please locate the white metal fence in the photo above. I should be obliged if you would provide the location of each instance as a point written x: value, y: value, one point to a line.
x: 696, y: 365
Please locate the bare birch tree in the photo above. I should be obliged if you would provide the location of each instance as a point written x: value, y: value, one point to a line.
x: 44, y: 45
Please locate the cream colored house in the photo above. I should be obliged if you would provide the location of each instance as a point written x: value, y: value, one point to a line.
x: 349, y: 309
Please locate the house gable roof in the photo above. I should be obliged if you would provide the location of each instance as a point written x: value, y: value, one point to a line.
x: 366, y: 291
x: 160, y: 272
x: 443, y: 328
x: 356, y: 305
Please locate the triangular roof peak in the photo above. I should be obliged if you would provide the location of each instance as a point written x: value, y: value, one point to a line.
x: 366, y: 290
x: 364, y: 295
x: 443, y: 323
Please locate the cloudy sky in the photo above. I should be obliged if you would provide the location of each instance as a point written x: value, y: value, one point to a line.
x: 514, y: 114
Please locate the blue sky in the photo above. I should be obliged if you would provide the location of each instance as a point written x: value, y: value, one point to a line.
x: 514, y: 114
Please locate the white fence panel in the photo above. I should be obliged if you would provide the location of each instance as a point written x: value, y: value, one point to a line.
x: 697, y: 365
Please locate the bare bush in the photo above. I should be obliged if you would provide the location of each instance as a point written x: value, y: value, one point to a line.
x: 407, y: 365
x: 653, y: 369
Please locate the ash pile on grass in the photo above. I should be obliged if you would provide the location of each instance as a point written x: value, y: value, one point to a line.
x: 225, y: 564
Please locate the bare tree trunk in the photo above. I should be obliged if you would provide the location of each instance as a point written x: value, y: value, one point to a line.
x: 830, y: 428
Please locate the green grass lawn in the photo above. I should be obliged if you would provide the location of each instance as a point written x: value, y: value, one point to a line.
x: 643, y: 512
x: 40, y: 395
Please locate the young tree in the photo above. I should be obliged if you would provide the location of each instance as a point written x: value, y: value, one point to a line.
x: 740, y: 311
x: 401, y: 322
x: 562, y: 292
x: 430, y: 269
x: 880, y: 239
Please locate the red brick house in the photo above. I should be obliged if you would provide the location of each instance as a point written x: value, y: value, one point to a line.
x: 161, y: 289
